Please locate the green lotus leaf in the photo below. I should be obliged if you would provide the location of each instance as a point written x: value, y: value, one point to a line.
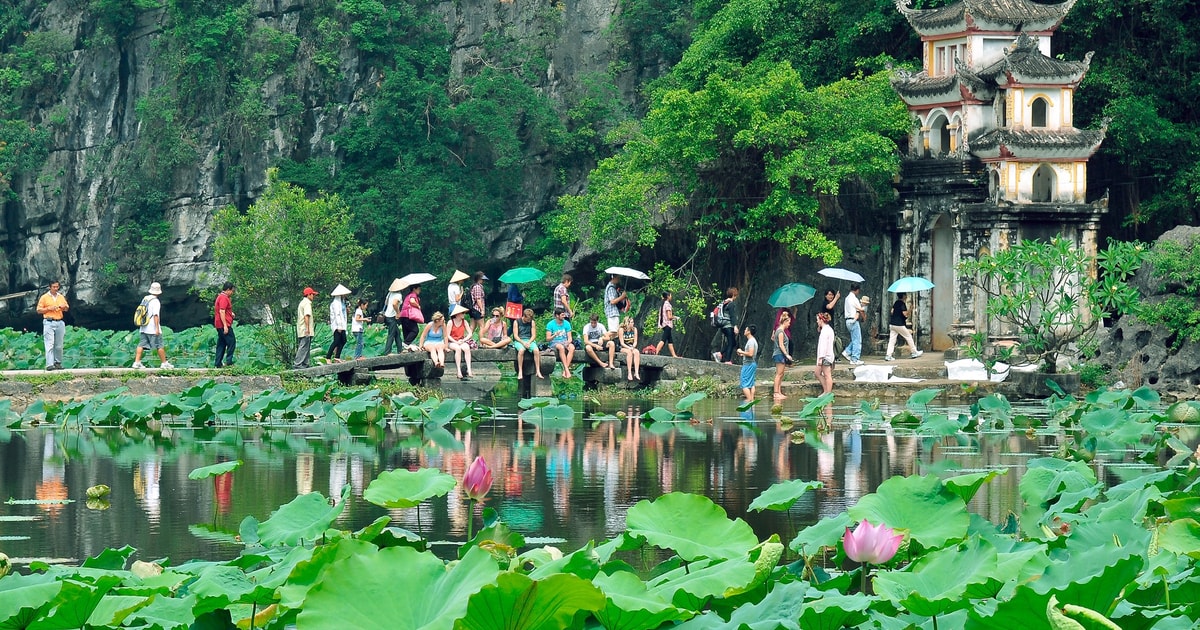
x: 139, y: 407
x: 813, y: 405
x: 631, y: 606
x: 1182, y: 507
x: 1182, y: 537
x: 1053, y: 486
x: 24, y: 598
x: 1071, y: 617
x: 778, y: 610
x: 685, y: 403
x: 938, y: 424
x: 781, y: 496
x: 944, y: 580
x: 965, y: 486
x: 516, y: 602
x: 302, y: 519
x: 1092, y: 578
x: 446, y: 411
x: 113, y: 609
x: 361, y: 590
x: 75, y: 603
x: 922, y: 398
x: 833, y: 611
x: 659, y: 414
x: 691, y: 585
x: 826, y: 532
x: 365, y: 408
x: 923, y: 506
x: 219, y: 586
x: 691, y: 525
x: 531, y: 403
x: 110, y: 559
x: 402, y: 488
x: 213, y: 470
x: 308, y: 573
x: 550, y: 417
x: 164, y: 613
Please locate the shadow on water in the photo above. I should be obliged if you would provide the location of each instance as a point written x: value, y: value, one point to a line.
x: 567, y: 486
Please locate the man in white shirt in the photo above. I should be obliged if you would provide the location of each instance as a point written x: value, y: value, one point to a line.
x: 853, y: 311
x: 304, y: 329
x: 596, y: 339
x: 150, y: 334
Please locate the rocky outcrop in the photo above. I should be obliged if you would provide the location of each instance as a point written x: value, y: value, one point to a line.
x: 1140, y: 354
x: 63, y: 221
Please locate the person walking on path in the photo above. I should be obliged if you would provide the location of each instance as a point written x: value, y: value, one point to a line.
x: 52, y: 306
x: 629, y: 348
x: 524, y: 334
x: 454, y: 290
x: 562, y: 297
x: 898, y: 326
x: 337, y: 322
x: 558, y: 335
x: 478, y: 300
x: 666, y: 324
x: 781, y: 351
x: 729, y: 327
x: 854, y: 313
x: 614, y: 298
x: 460, y: 341
x: 358, y: 327
x: 824, y: 353
x: 749, y: 362
x: 391, y: 313
x: 433, y: 340
x: 495, y: 331
x: 304, y: 329
x: 411, y: 317
x: 223, y: 322
x: 150, y: 334
x: 596, y: 339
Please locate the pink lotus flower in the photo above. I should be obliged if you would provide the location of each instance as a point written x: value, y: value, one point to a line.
x: 478, y: 480
x: 869, y: 544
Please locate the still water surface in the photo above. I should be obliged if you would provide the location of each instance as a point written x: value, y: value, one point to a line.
x: 575, y: 485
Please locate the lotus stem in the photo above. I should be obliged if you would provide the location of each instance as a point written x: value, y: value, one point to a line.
x: 470, y: 518
x: 863, y: 587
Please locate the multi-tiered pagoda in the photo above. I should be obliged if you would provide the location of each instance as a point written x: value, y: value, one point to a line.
x: 994, y: 155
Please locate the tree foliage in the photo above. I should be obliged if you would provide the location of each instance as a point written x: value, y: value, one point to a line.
x: 736, y: 143
x: 284, y: 242
x: 1176, y: 267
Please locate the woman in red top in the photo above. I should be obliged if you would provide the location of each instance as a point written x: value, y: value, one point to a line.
x: 459, y: 338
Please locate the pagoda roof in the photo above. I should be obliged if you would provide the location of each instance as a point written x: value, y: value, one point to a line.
x: 1024, y: 64
x: 985, y: 15
x: 1038, y: 144
x: 919, y: 88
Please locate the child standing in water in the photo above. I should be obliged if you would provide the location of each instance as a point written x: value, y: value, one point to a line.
x: 749, y: 362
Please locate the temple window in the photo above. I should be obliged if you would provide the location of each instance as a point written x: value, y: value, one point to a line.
x: 1038, y: 112
x: 939, y: 136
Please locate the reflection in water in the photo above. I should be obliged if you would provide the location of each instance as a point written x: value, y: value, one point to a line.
x: 576, y: 484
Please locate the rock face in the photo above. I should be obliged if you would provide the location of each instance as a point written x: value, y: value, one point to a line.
x: 64, y: 220
x: 1139, y: 354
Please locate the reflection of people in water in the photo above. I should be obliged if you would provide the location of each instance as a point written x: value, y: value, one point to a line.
x: 146, y: 487
x: 223, y: 491
x: 52, y: 487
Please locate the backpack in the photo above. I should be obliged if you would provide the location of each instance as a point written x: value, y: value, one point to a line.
x: 717, y: 318
x: 141, y: 314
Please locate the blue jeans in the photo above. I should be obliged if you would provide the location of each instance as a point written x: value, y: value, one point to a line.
x: 358, y: 344
x: 855, y: 347
x: 53, y: 331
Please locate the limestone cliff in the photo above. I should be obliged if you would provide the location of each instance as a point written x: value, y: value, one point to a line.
x: 65, y: 215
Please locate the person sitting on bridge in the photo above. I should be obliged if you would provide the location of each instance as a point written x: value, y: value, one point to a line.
x: 433, y: 339
x: 493, y: 335
x: 524, y: 334
x: 558, y: 333
x: 629, y: 348
x: 597, y: 339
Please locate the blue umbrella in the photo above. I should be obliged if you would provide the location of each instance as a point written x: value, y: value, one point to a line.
x: 791, y: 295
x: 909, y: 284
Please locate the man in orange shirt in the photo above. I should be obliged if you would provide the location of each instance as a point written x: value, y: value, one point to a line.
x: 51, y: 307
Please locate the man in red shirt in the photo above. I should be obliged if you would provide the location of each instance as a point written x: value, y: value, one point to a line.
x: 223, y: 322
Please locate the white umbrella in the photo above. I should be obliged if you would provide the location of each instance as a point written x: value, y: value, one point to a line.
x: 627, y: 272
x: 841, y: 274
x: 415, y: 278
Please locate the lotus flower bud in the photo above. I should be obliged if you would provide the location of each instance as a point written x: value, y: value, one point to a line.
x: 869, y: 544
x: 478, y: 480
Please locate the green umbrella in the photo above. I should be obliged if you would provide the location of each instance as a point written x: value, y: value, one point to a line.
x: 522, y: 274
x: 791, y: 295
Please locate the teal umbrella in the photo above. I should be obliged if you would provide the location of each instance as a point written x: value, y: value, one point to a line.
x: 522, y: 274
x: 909, y: 284
x: 791, y: 295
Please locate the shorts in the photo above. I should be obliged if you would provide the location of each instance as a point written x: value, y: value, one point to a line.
x: 495, y: 339
x: 667, y: 334
x: 749, y: 372
x: 614, y: 322
x: 558, y: 343
x: 531, y: 346
x: 150, y: 342
x: 779, y: 358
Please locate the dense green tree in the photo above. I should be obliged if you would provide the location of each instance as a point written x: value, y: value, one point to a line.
x: 282, y: 243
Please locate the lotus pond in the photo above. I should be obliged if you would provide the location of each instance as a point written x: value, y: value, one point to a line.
x: 643, y: 514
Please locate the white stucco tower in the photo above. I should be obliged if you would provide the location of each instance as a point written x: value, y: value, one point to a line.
x: 994, y: 155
